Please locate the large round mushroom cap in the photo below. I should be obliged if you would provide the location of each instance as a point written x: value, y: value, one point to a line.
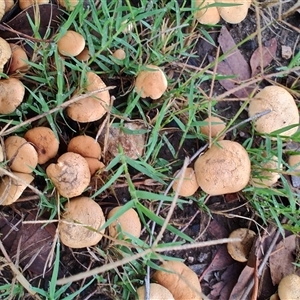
x: 284, y: 111
x: 289, y: 287
x: 71, y: 43
x: 80, y: 223
x: 223, y: 169
x: 151, y: 82
x: 90, y: 108
x: 85, y: 145
x: 45, y: 142
x: 5, y: 52
x: 12, y: 92
x: 157, y: 291
x: 21, y: 154
x: 189, y: 183
x: 214, y: 127
x: 207, y: 15
x: 71, y: 175
x: 234, y: 14
x: 11, y: 189
x: 180, y: 280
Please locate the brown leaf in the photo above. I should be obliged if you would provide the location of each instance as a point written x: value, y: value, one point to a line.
x: 268, y: 54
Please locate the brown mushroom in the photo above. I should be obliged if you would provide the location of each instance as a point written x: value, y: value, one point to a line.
x: 180, y: 280
x: 119, y: 54
x: 71, y: 174
x: 85, y: 145
x: 213, y: 128
x: 5, y: 52
x: 22, y: 156
x: 19, y: 59
x: 45, y: 142
x: 207, y: 15
x: 71, y: 43
x: 95, y: 165
x: 91, y: 108
x: 26, y: 3
x: 129, y: 223
x: 80, y: 224
x: 84, y: 55
x: 234, y: 14
x: 12, y: 188
x: 151, y: 82
x: 289, y: 287
x: 224, y: 168
x: 294, y: 163
x: 156, y: 291
x: 189, y: 183
x: 68, y: 4
x: 239, y: 251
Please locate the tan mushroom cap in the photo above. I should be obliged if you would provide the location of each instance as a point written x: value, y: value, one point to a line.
x: 119, y: 54
x: 84, y: 55
x: 214, y: 127
x: 189, y: 184
x: 234, y: 14
x: 85, y: 145
x: 284, y: 111
x: 129, y: 222
x: 21, y: 154
x: 224, y: 168
x: 45, y: 142
x: 95, y: 165
x: 207, y: 16
x: 269, y: 174
x: 71, y: 43
x: 71, y: 175
x: 91, y: 108
x: 294, y: 162
x: 8, y: 5
x: 2, y: 9
x: 151, y: 82
x: 19, y: 59
x: 289, y: 287
x: 5, y: 52
x: 11, y: 189
x: 239, y: 251
x: 26, y: 3
x: 80, y: 223
x: 12, y: 93
x: 157, y: 291
x: 68, y: 4
x: 181, y: 281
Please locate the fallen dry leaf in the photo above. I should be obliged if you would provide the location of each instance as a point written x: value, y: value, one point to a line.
x: 268, y: 53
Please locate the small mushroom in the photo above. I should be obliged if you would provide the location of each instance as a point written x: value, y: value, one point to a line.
x: 234, y: 14
x: 189, y: 183
x: 85, y: 145
x: 71, y: 174
x: 151, y: 82
x: 129, y: 223
x: 19, y: 59
x: 45, y: 142
x: 12, y: 92
x: 5, y: 52
x: 223, y: 169
x: 284, y: 111
x: 214, y: 127
x: 26, y: 3
x: 22, y: 156
x: 207, y: 15
x: 68, y: 4
x: 90, y: 108
x: 11, y: 189
x: 119, y: 54
x: 239, y: 251
x: 294, y: 163
x: 156, y: 291
x: 84, y: 55
x: 179, y: 279
x: 71, y: 43
x: 80, y: 223
x: 95, y: 165
x: 289, y: 287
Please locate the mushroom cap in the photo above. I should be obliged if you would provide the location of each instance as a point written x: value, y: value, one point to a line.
x: 289, y: 287
x: 84, y: 55
x: 12, y: 92
x: 11, y: 189
x: 207, y: 16
x: 129, y: 222
x: 71, y: 174
x: 71, y: 43
x: 2, y: 9
x: 234, y: 14
x: 8, y: 5
x: 267, y: 177
x: 26, y: 3
x: 239, y: 251
x: 85, y: 145
x: 45, y: 142
x: 223, y: 169
x: 151, y: 82
x: 91, y: 108
x: 83, y: 218
x: 19, y: 59
x: 284, y: 111
x: 5, y: 51
x: 294, y: 161
x: 157, y: 291
x: 21, y: 154
x: 181, y: 281
x: 189, y: 184
x: 68, y: 4
x: 214, y: 127
x: 119, y: 54
x: 94, y: 165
